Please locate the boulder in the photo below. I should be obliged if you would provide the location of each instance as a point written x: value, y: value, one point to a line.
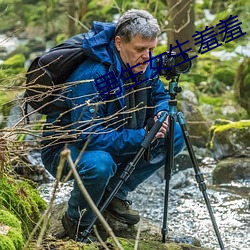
x: 150, y: 235
x: 230, y: 140
x: 231, y: 169
x: 197, y: 125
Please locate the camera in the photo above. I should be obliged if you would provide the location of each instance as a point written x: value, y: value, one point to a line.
x: 167, y: 63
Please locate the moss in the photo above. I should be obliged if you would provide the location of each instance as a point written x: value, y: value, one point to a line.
x: 224, y: 75
x: 22, y: 200
x: 16, y: 61
x: 214, y: 101
x: 128, y: 244
x: 235, y: 125
x: 9, y: 219
x: 6, y: 243
x: 13, y: 239
x: 16, y: 237
x: 238, y: 128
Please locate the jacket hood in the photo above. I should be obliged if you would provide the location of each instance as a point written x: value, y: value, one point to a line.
x: 98, y: 42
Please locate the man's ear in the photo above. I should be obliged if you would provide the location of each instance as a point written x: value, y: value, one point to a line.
x: 118, y: 43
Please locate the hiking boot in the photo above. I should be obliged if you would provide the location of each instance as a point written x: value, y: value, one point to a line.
x: 121, y: 211
x: 75, y: 231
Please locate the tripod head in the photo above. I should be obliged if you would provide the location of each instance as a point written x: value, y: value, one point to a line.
x: 174, y: 89
x: 172, y: 65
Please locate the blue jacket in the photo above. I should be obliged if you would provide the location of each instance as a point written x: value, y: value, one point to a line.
x: 88, y: 118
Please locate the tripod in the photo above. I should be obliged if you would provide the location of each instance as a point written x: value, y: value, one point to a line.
x: 129, y: 169
x: 173, y: 90
x: 169, y: 163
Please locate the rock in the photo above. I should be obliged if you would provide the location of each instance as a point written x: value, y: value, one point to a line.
x: 181, y: 179
x: 231, y: 169
x: 231, y: 139
x: 188, y: 95
x: 197, y: 125
x: 149, y: 238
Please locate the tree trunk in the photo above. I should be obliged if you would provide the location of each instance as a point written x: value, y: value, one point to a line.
x: 83, y: 7
x: 181, y: 23
x: 72, y: 13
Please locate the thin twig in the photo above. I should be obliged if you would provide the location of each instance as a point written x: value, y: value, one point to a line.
x: 66, y: 154
x: 137, y: 236
x: 99, y: 238
x: 77, y: 21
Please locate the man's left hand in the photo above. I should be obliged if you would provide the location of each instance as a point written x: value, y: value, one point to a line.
x: 163, y: 129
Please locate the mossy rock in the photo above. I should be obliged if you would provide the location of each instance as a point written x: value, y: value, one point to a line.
x: 128, y: 244
x: 231, y: 139
x: 11, y: 237
x: 21, y: 199
x: 231, y: 169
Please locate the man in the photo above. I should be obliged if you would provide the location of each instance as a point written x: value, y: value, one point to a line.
x: 111, y: 130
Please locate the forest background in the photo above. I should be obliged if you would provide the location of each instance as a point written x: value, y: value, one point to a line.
x: 219, y: 76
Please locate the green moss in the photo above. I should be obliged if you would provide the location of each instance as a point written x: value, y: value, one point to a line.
x: 239, y: 128
x: 128, y: 244
x: 22, y: 200
x: 224, y: 75
x: 16, y: 237
x: 13, y: 239
x: 9, y: 219
x: 16, y: 61
x: 6, y: 243
x: 235, y: 125
x: 214, y: 101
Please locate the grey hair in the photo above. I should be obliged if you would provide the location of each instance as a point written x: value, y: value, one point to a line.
x: 137, y: 22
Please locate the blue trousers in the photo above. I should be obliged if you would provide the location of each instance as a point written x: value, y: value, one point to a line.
x: 100, y: 170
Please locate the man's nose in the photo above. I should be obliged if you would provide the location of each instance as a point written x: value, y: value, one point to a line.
x: 145, y: 55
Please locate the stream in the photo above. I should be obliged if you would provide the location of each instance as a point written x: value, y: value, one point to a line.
x: 187, y: 212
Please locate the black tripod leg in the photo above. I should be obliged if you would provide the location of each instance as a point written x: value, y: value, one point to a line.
x: 169, y: 163
x: 199, y: 177
x: 129, y: 169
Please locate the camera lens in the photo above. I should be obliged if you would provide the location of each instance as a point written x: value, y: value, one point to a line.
x: 184, y: 66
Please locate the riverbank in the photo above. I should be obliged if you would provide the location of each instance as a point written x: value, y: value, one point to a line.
x: 188, y: 215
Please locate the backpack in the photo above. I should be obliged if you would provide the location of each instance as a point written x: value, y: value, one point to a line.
x: 47, y: 74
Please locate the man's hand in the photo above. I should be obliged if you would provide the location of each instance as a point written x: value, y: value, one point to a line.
x: 164, y: 128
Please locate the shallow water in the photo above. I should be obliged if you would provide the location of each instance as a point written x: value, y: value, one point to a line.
x: 187, y: 212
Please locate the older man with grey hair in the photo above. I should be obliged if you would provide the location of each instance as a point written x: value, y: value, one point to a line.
x: 108, y: 115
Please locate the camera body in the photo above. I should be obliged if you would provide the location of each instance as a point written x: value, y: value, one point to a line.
x: 172, y: 65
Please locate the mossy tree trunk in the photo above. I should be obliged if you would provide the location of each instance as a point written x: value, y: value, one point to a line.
x: 242, y: 85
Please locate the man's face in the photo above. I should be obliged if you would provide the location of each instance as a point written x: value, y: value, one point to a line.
x: 136, y: 51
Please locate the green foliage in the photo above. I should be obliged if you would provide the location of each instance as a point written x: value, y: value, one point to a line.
x: 22, y: 200
x: 16, y: 61
x: 214, y: 101
x: 224, y: 75
x: 212, y: 75
x: 13, y: 66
